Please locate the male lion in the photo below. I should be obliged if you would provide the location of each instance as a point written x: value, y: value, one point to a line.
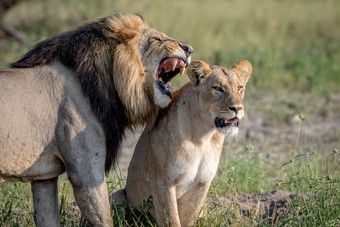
x: 66, y: 103
x: 178, y: 154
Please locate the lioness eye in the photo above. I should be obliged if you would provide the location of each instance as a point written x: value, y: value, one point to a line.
x: 240, y: 88
x: 217, y: 88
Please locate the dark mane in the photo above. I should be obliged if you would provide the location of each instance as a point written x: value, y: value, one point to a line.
x: 90, y: 55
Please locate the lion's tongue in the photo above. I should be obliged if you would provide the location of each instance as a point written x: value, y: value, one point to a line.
x: 233, y: 120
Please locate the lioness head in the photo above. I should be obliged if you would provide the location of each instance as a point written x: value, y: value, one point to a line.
x: 221, y: 91
x: 160, y: 57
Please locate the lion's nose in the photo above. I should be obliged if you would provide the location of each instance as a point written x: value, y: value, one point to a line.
x: 235, y: 108
x: 187, y: 49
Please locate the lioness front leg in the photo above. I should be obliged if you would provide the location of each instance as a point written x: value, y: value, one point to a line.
x: 45, y: 201
x: 190, y: 204
x: 165, y: 202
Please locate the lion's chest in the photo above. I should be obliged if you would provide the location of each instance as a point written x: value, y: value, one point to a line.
x: 196, y: 165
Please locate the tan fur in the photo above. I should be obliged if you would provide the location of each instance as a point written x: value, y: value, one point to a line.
x: 177, y: 156
x: 67, y: 102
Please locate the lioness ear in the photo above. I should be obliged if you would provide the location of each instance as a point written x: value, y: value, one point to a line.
x: 198, y: 71
x: 243, y: 70
x: 123, y: 27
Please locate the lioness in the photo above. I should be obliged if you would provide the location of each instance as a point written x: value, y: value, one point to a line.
x: 65, y: 105
x: 177, y: 155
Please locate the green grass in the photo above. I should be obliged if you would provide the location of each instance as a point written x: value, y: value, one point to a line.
x: 311, y: 173
x: 320, y: 184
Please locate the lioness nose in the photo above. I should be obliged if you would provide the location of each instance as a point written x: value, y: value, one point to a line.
x: 235, y: 108
x: 188, y: 49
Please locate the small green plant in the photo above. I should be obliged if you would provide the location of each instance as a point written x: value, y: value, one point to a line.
x: 315, y: 181
x: 317, y: 189
x: 124, y: 215
x: 14, y: 200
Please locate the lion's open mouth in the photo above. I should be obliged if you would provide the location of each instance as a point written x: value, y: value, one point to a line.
x: 167, y: 70
x: 221, y: 123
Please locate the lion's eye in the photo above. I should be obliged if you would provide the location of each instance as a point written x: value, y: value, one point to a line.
x: 240, y: 88
x: 157, y: 38
x: 217, y: 88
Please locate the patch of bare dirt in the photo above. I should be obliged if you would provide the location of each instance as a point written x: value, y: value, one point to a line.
x: 268, y: 205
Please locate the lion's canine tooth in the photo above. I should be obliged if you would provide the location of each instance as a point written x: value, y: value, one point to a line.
x: 181, y: 68
x: 174, y: 64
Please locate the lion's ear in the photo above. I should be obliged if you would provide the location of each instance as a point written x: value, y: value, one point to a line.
x: 198, y: 71
x: 123, y: 27
x: 243, y: 69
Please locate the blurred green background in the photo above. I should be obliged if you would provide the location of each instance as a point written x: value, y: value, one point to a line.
x: 294, y: 47
x: 292, y: 44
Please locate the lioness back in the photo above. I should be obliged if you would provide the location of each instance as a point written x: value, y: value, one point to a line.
x: 177, y: 156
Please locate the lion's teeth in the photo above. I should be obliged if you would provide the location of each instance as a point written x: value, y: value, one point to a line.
x: 174, y: 64
x: 181, y: 68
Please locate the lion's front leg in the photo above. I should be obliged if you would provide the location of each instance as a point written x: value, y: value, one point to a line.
x: 45, y: 201
x: 82, y: 147
x: 87, y: 176
x: 92, y: 197
x: 84, y: 159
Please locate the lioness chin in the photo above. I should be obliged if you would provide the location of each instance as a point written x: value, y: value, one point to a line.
x: 65, y: 105
x: 177, y: 156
